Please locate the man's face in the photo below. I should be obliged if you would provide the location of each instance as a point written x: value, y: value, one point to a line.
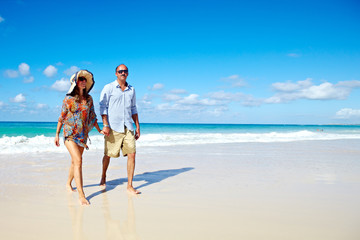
x: 122, y: 73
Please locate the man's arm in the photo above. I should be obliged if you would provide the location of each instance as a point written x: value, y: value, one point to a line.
x: 134, y: 115
x: 106, y: 128
x: 136, y: 121
x: 104, y: 103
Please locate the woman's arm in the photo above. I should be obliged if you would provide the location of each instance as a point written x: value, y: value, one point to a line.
x: 64, y: 111
x: 98, y: 128
x: 58, y: 129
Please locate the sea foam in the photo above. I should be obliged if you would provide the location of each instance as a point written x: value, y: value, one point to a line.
x: 22, y: 144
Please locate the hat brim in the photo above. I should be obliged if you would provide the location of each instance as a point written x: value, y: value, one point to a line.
x: 82, y: 73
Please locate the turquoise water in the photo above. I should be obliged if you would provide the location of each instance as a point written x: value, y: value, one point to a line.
x: 48, y: 129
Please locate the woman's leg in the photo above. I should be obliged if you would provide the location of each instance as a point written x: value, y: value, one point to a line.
x: 71, y: 174
x: 76, y: 161
x: 70, y: 178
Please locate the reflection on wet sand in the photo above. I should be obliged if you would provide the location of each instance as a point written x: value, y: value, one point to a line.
x: 76, y: 214
x: 117, y: 225
x: 114, y: 227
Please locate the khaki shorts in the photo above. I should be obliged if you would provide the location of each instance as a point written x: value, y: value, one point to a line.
x: 116, y: 141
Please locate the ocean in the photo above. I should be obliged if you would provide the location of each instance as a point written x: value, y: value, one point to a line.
x: 33, y: 137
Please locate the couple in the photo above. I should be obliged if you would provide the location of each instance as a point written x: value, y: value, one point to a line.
x: 117, y: 109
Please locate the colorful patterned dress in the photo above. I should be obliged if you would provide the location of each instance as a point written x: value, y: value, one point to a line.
x: 78, y: 120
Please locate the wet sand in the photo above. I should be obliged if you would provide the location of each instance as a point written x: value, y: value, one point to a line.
x: 295, y: 190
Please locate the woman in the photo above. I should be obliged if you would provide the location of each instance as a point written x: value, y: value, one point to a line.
x: 78, y: 117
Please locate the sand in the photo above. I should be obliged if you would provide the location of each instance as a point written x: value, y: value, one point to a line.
x: 295, y: 190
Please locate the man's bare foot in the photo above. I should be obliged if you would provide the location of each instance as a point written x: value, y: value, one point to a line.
x: 132, y: 190
x: 69, y: 188
x: 103, y: 182
x: 83, y: 201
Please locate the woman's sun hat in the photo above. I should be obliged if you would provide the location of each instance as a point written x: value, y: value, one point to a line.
x: 82, y: 73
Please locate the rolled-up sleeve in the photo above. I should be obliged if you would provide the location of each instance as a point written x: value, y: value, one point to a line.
x: 104, y: 101
x: 133, y: 104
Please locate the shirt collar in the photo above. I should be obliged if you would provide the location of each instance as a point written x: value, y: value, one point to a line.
x: 118, y: 86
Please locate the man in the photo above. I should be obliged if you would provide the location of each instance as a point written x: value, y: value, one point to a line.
x: 118, y: 109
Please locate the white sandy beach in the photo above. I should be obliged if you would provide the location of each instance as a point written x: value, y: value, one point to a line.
x: 294, y: 190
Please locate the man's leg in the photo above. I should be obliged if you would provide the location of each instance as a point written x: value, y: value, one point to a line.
x: 105, y: 165
x: 130, y: 172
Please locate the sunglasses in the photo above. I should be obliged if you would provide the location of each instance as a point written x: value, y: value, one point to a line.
x: 122, y: 71
x: 82, y: 79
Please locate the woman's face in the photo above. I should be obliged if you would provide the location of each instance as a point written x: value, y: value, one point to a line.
x: 81, y: 83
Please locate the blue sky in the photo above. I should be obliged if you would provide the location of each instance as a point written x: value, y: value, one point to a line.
x: 278, y: 62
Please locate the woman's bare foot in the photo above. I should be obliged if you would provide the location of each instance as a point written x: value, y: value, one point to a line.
x: 132, y: 190
x: 83, y: 201
x: 69, y: 188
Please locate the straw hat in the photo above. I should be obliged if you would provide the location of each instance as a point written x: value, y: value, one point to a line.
x: 82, y: 73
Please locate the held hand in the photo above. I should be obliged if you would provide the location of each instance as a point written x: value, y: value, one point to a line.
x: 57, y: 143
x: 106, y: 131
x: 137, y: 134
x: 102, y: 132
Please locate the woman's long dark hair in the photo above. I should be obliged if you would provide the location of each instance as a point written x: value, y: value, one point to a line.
x: 76, y: 93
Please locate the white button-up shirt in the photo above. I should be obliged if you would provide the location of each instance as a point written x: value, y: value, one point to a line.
x: 118, y: 105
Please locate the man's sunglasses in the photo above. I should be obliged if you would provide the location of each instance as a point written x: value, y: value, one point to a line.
x: 122, y: 71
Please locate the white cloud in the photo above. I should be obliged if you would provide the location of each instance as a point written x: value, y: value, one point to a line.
x: 145, y: 101
x: 50, y: 71
x: 324, y: 91
x: 147, y: 97
x: 157, y: 86
x: 307, y: 90
x: 41, y: 106
x: 226, y: 96
x: 29, y: 79
x: 178, y: 91
x: 250, y: 101
x: 11, y: 73
x: 2, y: 104
x: 289, y: 86
x: 1, y: 19
x: 18, y: 98
x: 171, y: 97
x: 71, y: 70
x: 274, y: 99
x: 347, y: 113
x: 24, y: 69
x: 350, y: 84
x: 191, y: 104
x: 173, y: 107
x: 193, y: 99
x: 217, y: 112
x: 235, y: 81
x: 61, y: 85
